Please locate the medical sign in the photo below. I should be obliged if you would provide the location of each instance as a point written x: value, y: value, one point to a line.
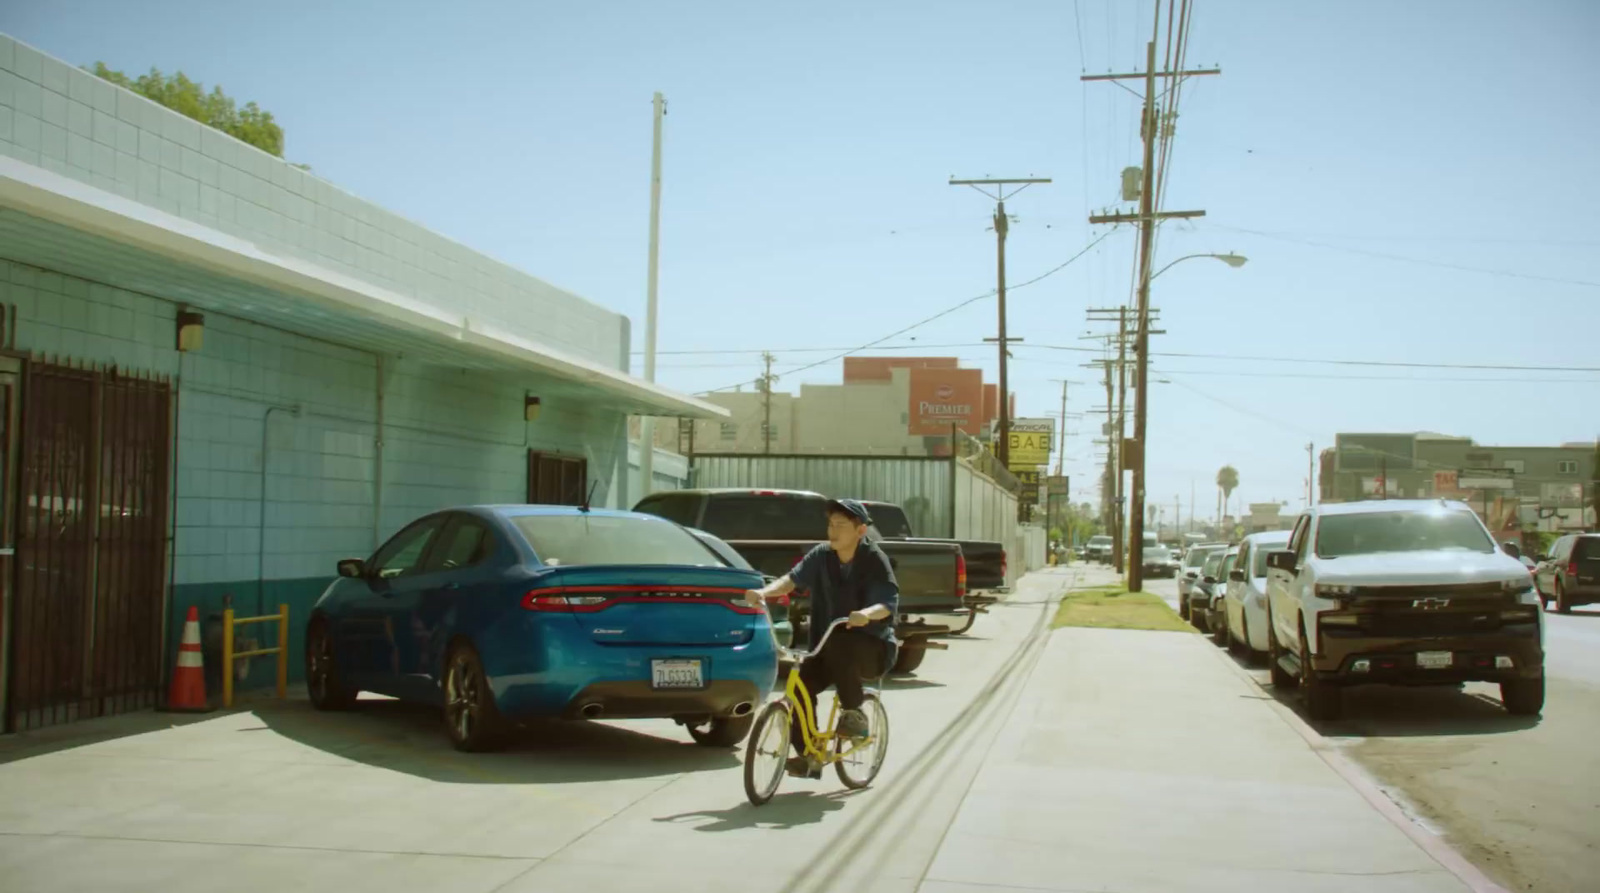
x: 1031, y: 440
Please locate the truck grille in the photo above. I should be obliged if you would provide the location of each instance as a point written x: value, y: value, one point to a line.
x: 1422, y: 624
x: 1490, y: 590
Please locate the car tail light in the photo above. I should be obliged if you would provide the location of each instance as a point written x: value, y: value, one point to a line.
x: 1572, y: 568
x: 961, y: 576
x: 1005, y: 568
x: 589, y: 599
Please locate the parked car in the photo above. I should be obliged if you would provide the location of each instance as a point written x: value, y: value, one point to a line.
x: 1207, y: 616
x: 777, y: 609
x: 1407, y: 592
x: 1189, y: 572
x: 1099, y: 548
x: 1205, y: 586
x: 985, y: 559
x: 774, y: 529
x: 500, y: 614
x: 1158, y: 562
x: 1570, y: 574
x: 1245, y: 591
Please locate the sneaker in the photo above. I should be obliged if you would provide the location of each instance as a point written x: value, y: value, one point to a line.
x: 853, y: 724
x: 802, y: 767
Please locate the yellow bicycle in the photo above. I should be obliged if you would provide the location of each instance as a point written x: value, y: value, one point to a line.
x: 856, y: 760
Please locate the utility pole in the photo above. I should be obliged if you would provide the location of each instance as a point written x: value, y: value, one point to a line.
x: 647, y: 424
x: 1002, y: 225
x: 1191, y: 505
x: 766, y: 402
x: 1147, y: 218
x: 1311, y: 475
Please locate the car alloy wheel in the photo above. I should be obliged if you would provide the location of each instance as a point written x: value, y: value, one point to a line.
x: 470, y: 715
x: 323, y: 685
x: 1323, y: 701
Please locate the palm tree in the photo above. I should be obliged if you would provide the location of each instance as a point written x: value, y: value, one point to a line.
x: 1227, y: 482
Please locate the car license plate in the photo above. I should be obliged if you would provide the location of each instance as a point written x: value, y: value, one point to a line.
x: 1435, y: 660
x: 676, y: 674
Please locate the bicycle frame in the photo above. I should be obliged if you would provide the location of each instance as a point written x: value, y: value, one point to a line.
x: 816, y: 741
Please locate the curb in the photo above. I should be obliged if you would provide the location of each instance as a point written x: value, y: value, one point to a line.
x: 1363, y: 784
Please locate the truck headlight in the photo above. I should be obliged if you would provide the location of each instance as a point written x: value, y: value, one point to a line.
x: 1332, y: 590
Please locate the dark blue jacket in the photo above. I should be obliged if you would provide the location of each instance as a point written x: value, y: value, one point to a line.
x: 835, y: 593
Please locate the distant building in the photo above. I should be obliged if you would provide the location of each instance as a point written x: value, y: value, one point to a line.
x: 1548, y: 487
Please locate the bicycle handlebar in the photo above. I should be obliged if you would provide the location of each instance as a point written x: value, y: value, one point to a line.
x: 799, y: 655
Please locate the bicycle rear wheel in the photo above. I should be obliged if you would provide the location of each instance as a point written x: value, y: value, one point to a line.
x: 766, y: 753
x: 858, y: 767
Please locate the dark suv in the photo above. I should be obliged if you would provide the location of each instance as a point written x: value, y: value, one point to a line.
x: 1570, y: 574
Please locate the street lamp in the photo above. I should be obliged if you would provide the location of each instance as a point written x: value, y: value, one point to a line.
x: 1233, y: 260
x: 1141, y: 404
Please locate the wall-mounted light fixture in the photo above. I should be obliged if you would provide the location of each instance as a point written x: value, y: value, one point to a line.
x: 530, y: 408
x: 191, y: 330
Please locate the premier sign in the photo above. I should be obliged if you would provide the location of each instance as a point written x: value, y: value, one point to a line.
x: 940, y: 398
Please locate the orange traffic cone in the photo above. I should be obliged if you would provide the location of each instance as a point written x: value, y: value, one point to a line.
x: 188, y: 691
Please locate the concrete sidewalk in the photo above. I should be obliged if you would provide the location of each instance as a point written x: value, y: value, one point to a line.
x: 1142, y: 761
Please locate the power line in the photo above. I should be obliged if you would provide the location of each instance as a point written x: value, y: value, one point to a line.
x: 1346, y: 362
x: 946, y: 312
x: 1445, y: 265
x: 1231, y: 374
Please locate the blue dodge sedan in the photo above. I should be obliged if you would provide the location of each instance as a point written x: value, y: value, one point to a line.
x: 500, y: 614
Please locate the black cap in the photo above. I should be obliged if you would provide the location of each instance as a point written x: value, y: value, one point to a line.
x: 850, y: 507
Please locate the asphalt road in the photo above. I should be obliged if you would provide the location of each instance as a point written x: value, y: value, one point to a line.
x: 1519, y: 797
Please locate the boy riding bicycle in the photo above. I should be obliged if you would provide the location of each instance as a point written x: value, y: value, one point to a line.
x: 847, y: 576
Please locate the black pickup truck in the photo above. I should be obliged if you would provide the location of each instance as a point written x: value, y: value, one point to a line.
x: 986, y: 560
x: 773, y: 529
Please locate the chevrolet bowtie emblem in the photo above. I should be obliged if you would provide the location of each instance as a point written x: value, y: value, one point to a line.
x: 1431, y: 604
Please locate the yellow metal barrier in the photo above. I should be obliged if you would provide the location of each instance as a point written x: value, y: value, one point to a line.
x: 228, y: 656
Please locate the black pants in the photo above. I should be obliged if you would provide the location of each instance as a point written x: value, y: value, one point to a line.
x: 849, y: 657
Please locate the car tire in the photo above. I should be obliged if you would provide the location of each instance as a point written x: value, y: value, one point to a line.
x: 722, y: 731
x: 471, y: 717
x: 1219, y: 631
x: 908, y: 660
x: 1281, y: 679
x: 1323, y: 702
x: 1183, y: 607
x: 1523, y: 697
x: 325, y: 687
x: 1562, y: 605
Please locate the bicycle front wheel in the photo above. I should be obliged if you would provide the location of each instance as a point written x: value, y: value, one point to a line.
x: 766, y: 753
x: 859, y: 766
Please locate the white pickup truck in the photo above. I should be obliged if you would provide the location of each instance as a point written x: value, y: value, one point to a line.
x: 1403, y: 592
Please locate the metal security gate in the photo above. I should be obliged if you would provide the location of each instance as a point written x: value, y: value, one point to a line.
x: 556, y: 480
x: 90, y: 506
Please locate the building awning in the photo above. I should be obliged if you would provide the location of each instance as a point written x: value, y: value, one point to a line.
x: 58, y: 223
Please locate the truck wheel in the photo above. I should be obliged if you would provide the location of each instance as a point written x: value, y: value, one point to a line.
x: 908, y: 659
x: 1281, y: 679
x: 1523, y: 697
x: 1219, y: 631
x: 1323, y: 701
x: 1562, y: 605
x: 1183, y: 607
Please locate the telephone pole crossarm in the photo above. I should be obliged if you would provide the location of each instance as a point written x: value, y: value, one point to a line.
x: 1136, y: 218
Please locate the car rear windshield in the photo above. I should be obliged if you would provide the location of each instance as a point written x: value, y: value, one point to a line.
x: 1258, y: 555
x: 1401, y: 531
x: 890, y: 520
x: 755, y: 517
x: 569, y: 540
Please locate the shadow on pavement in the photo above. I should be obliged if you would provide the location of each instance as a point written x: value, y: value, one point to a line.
x: 782, y: 811
x: 37, y: 743
x: 409, y: 738
x: 1399, y: 711
x: 906, y: 683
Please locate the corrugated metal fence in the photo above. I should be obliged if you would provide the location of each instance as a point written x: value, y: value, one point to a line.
x: 919, y: 484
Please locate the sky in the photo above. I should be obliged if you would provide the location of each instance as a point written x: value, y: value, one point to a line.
x: 1411, y: 183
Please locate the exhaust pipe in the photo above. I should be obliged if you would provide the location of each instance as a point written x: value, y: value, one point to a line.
x: 592, y: 711
x: 743, y: 708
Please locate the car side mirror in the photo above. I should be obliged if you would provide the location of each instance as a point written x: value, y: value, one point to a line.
x: 1209, y: 579
x: 1191, y: 574
x: 1282, y: 560
x: 1541, y: 557
x: 354, y: 568
x: 1236, y: 575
